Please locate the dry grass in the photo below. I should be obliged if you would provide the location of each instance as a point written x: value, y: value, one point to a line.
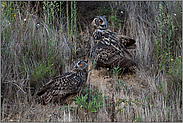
x: 32, y: 52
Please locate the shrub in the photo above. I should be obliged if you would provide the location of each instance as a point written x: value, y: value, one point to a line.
x: 91, y: 101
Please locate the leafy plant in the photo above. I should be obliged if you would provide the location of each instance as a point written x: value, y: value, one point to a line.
x: 91, y: 101
x: 120, y: 83
x: 40, y: 70
x: 116, y: 70
x: 46, y: 120
x: 137, y: 118
x: 113, y: 18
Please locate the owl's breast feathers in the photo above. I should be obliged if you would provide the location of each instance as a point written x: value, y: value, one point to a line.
x: 105, y: 36
x: 62, y: 85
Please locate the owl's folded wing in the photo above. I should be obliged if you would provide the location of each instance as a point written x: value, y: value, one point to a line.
x: 51, y: 84
x: 59, y: 86
x: 128, y: 42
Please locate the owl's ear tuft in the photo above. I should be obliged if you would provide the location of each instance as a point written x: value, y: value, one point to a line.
x: 85, y: 62
x: 92, y: 18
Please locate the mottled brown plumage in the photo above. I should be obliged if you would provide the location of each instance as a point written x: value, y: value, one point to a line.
x: 110, y: 49
x: 64, y: 86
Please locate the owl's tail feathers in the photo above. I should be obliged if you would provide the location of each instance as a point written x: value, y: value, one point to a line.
x: 136, y: 66
x: 126, y: 63
x: 128, y: 42
x: 44, y: 99
x: 132, y: 65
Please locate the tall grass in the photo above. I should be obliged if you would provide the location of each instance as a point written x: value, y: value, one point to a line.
x: 72, y: 29
x: 159, y: 46
x: 33, y: 51
x: 36, y: 48
x: 168, y: 57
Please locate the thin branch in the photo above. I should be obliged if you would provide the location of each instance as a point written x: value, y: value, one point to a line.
x: 17, y: 86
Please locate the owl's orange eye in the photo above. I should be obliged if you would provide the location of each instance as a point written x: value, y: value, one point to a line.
x: 100, y: 21
x: 73, y: 65
x: 80, y: 64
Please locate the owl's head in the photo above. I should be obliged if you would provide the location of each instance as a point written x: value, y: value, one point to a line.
x: 79, y: 65
x: 99, y: 22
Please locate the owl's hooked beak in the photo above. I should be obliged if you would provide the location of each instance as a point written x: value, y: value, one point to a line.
x: 104, y: 26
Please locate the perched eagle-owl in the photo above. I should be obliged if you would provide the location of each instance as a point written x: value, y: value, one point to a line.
x: 66, y: 85
x: 110, y: 49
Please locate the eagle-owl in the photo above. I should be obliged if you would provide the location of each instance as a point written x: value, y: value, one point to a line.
x: 66, y: 85
x: 110, y: 49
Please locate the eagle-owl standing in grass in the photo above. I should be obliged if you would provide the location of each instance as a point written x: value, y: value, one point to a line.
x: 65, y: 86
x: 110, y: 49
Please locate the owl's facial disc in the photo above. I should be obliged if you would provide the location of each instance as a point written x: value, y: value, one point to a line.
x: 73, y: 64
x: 100, y: 22
x: 79, y: 65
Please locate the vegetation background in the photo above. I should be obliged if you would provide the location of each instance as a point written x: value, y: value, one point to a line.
x: 40, y: 39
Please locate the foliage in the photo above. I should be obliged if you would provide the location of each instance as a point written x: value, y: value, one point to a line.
x: 113, y: 18
x: 29, y: 50
x: 168, y: 58
x: 46, y: 120
x: 91, y: 101
x: 137, y: 118
x: 37, y: 56
x: 119, y: 84
x: 116, y: 70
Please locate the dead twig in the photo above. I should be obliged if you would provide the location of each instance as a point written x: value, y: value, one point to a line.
x: 17, y: 86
